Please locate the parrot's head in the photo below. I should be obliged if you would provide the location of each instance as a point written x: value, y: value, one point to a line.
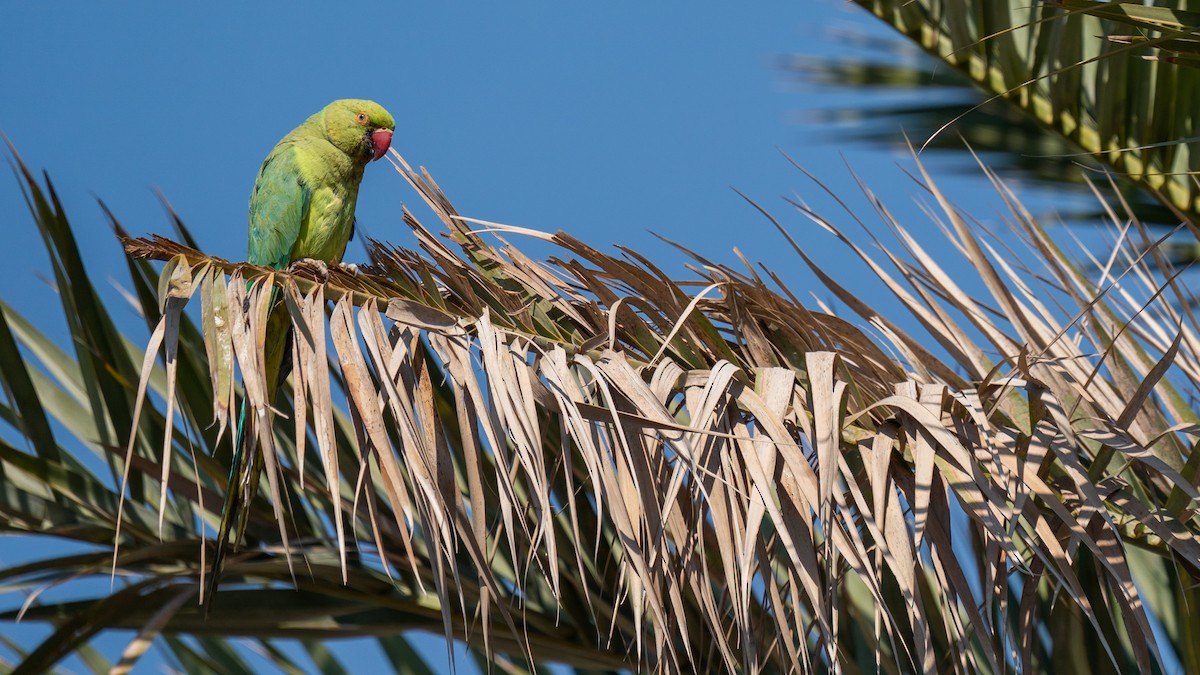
x: 361, y: 129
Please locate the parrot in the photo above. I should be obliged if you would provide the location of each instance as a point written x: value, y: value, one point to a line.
x: 301, y: 208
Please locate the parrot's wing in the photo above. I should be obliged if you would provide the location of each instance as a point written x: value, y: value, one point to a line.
x: 277, y: 208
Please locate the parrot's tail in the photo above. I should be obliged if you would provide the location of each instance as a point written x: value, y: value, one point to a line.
x: 246, y: 466
x: 237, y: 501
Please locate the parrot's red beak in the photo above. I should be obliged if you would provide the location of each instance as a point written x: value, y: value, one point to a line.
x: 381, y: 140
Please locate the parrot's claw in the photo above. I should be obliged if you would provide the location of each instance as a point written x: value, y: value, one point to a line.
x: 349, y: 268
x: 318, y: 267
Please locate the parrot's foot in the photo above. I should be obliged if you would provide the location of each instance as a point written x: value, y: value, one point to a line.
x: 318, y: 267
x: 349, y: 268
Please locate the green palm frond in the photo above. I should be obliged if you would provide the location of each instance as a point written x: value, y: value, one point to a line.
x: 1113, y: 78
x: 910, y: 96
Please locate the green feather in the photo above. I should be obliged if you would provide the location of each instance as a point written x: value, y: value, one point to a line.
x: 278, y: 208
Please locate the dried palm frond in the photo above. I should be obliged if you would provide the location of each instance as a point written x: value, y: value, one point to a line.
x: 582, y: 460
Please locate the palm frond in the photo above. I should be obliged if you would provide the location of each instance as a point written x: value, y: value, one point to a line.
x: 911, y: 95
x: 1110, y: 77
x: 582, y: 460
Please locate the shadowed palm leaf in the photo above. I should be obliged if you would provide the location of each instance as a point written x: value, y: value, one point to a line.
x: 913, y: 95
x: 1113, y: 78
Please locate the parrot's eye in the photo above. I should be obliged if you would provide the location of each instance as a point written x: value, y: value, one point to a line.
x: 361, y: 118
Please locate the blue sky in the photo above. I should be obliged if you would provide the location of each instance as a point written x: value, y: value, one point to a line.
x: 608, y: 120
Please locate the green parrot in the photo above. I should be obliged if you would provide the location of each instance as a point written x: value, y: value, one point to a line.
x: 302, y: 207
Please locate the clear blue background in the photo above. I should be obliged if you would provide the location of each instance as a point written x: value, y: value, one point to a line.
x: 608, y: 120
